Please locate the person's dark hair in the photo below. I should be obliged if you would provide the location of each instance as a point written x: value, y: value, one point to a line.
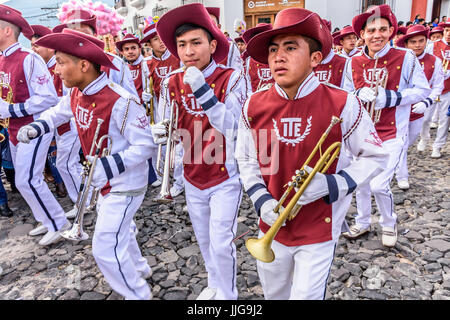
x: 409, y: 23
x: 189, y: 27
x: 400, y: 23
x: 314, y: 45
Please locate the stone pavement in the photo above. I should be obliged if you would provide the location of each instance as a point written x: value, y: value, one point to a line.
x: 418, y: 267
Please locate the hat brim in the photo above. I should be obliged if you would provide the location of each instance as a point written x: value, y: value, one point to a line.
x: 337, y: 40
x: 90, y: 22
x: 194, y: 13
x: 361, y: 19
x: 258, y: 46
x: 20, y: 22
x: 250, y: 33
x: 119, y: 44
x: 148, y: 38
x: 401, y: 42
x: 85, y: 49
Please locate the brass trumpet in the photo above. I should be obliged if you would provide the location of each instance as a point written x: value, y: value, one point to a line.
x: 445, y: 63
x: 76, y: 233
x: 149, y: 106
x: 169, y: 158
x: 261, y: 248
x: 378, y: 79
x: 9, y: 99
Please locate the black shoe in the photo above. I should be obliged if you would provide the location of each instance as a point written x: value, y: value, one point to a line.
x: 5, y: 211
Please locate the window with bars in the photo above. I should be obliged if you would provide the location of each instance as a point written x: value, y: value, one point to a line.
x: 137, y: 20
x: 159, y: 10
x: 368, y: 3
x: 183, y: 2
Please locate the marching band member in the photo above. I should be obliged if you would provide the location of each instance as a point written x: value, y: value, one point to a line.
x: 437, y: 33
x: 233, y: 59
x: 161, y: 64
x: 209, y: 97
x: 121, y: 175
x: 66, y: 135
x: 416, y: 39
x: 441, y: 49
x: 304, y: 248
x: 81, y: 20
x: 406, y: 85
x: 33, y: 92
x: 257, y: 74
x: 347, y: 38
x: 240, y: 44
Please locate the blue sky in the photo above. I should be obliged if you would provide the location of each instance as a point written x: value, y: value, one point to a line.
x: 32, y: 11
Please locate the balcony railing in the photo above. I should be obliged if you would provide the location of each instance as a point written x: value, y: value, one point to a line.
x: 121, y: 7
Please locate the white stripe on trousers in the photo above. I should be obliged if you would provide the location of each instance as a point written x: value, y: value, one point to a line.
x: 29, y: 162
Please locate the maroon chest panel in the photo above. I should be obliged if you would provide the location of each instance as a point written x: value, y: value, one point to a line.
x: 159, y: 69
x: 427, y: 64
x: 333, y: 71
x: 440, y: 48
x: 136, y: 74
x: 260, y: 74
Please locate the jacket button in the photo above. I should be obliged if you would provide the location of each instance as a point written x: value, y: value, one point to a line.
x: 222, y: 169
x: 327, y: 220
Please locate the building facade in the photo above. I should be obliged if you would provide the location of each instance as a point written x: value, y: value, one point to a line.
x: 340, y: 12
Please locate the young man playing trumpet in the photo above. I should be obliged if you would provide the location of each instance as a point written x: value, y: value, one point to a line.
x: 120, y: 175
x: 419, y: 122
x: 209, y: 99
x: 279, y: 128
x: 405, y: 85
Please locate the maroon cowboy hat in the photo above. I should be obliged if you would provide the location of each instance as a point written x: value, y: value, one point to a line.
x: 291, y: 20
x: 344, y: 32
x: 445, y: 24
x: 149, y: 33
x: 75, y: 18
x: 238, y: 39
x: 327, y: 23
x: 194, y: 13
x: 215, y: 11
x: 129, y: 38
x: 39, y: 31
x: 382, y: 11
x: 416, y: 30
x: 15, y: 17
x: 250, y: 33
x: 436, y: 30
x: 402, y: 30
x: 77, y: 44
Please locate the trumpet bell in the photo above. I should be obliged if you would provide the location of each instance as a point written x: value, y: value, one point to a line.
x: 76, y: 233
x: 164, y: 199
x: 260, y: 249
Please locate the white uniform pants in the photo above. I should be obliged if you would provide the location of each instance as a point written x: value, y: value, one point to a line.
x: 29, y: 162
x: 178, y: 169
x: 443, y: 122
x: 68, y: 161
x: 380, y: 187
x: 115, y: 248
x: 213, y: 213
x: 401, y: 173
x: 297, y: 273
x: 427, y: 119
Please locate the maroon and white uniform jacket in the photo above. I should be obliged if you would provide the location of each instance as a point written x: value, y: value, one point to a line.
x: 207, y: 122
x: 233, y: 59
x: 32, y: 86
x: 257, y: 74
x: 355, y: 51
x: 441, y: 49
x: 275, y: 137
x: 161, y: 67
x: 432, y: 67
x: 406, y: 86
x: 332, y: 69
x: 122, y: 76
x: 124, y: 120
x: 140, y: 74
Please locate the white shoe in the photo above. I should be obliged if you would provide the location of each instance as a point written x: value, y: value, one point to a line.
x: 207, y: 294
x: 389, y: 236
x: 433, y: 125
x: 157, y: 183
x: 421, y: 146
x: 37, y: 231
x: 355, y: 232
x: 403, y: 184
x: 436, y: 153
x: 53, y: 236
x: 176, y: 190
x: 72, y: 213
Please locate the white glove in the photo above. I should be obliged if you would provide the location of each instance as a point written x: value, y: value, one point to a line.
x: 146, y: 96
x: 317, y: 188
x: 419, y: 107
x: 26, y: 133
x: 159, y: 131
x: 268, y: 216
x: 4, y: 109
x: 194, y: 78
x: 366, y: 94
x: 99, y: 179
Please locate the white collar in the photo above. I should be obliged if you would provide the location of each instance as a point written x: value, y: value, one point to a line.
x: 422, y: 55
x: 51, y: 62
x: 380, y: 53
x: 308, y: 85
x: 352, y: 53
x: 138, y: 60
x: 11, y: 49
x: 210, y: 69
x: 96, y: 85
x: 164, y: 56
x: 328, y: 58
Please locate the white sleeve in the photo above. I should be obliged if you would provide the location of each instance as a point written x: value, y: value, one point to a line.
x: 40, y: 87
x: 122, y: 76
x: 247, y: 77
x: 235, y: 60
x: 348, y: 78
x: 224, y: 116
x: 53, y: 117
x: 437, y: 80
x: 247, y: 159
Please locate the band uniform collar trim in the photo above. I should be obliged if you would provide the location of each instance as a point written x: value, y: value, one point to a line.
x: 11, y: 49
x: 96, y: 85
x: 380, y: 53
x: 210, y: 69
x: 422, y: 55
x: 138, y: 60
x: 308, y: 85
x: 164, y: 56
x: 328, y: 58
x: 51, y: 62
